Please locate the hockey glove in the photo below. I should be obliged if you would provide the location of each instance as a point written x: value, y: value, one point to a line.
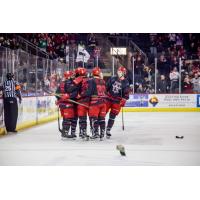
x: 122, y: 102
x: 65, y: 97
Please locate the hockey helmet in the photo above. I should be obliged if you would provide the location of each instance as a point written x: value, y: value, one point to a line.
x: 96, y: 71
x: 122, y: 69
x: 68, y: 74
x: 81, y: 71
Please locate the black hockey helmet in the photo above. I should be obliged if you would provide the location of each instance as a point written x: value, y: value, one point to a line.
x: 10, y: 76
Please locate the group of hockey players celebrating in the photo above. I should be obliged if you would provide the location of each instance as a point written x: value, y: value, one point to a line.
x: 79, y: 96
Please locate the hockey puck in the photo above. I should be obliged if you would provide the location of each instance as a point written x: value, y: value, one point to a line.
x: 179, y: 137
x: 121, y: 149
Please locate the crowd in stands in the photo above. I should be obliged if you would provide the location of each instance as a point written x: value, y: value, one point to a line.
x: 9, y: 41
x: 169, y: 49
x: 53, y: 43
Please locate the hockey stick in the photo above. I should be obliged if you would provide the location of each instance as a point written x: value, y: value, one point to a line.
x: 122, y: 111
x: 82, y: 104
x: 72, y: 101
x: 59, y: 121
x: 122, y: 119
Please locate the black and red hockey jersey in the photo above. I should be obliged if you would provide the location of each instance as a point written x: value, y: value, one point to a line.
x: 83, y: 92
x: 97, y: 90
x: 67, y: 87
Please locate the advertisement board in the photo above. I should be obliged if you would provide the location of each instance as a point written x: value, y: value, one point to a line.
x: 46, y: 106
x: 27, y: 110
x: 172, y: 101
x: 137, y: 100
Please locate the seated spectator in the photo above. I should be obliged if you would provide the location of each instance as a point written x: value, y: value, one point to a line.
x: 140, y: 89
x: 147, y: 85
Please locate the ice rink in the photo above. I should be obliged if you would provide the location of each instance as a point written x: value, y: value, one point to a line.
x: 149, y: 139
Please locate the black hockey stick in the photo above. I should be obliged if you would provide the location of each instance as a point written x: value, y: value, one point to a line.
x: 59, y: 120
x: 122, y: 110
x: 122, y: 119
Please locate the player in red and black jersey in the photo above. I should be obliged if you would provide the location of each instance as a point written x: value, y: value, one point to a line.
x: 83, y: 98
x: 67, y: 90
x: 97, y: 109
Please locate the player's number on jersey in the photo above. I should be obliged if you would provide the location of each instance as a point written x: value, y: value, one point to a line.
x: 8, y: 88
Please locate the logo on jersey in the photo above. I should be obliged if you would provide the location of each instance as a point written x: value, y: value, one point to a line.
x: 116, y: 87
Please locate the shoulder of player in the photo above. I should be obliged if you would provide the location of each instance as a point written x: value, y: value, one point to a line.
x: 113, y: 78
x: 125, y: 80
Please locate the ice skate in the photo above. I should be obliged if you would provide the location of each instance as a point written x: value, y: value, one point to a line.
x: 108, y: 134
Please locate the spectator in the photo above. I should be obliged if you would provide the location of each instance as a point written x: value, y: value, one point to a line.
x: 139, y: 66
x: 172, y: 38
x: 187, y: 86
x: 162, y: 86
x: 43, y: 43
x: 46, y: 84
x: 147, y: 85
x: 192, y: 50
x: 179, y: 40
x: 163, y: 66
x: 153, y: 46
x: 148, y: 72
x: 174, y: 78
x: 182, y: 52
x: 174, y: 62
x: 140, y: 89
x: 196, y: 83
x: 91, y: 42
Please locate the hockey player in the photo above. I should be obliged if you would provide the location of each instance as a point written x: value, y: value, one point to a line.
x: 97, y: 109
x: 67, y: 90
x: 72, y: 88
x: 83, y: 97
x: 118, y: 93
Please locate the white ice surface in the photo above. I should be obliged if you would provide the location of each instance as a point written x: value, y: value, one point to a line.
x: 149, y: 139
